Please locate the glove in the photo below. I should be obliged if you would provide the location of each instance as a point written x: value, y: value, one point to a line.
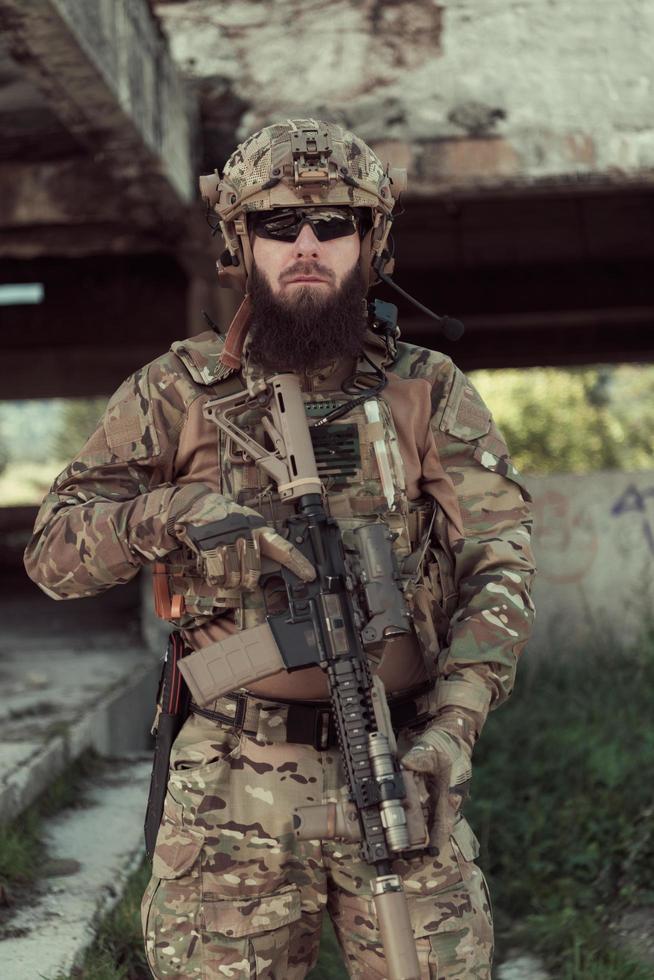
x: 230, y: 539
x: 442, y: 755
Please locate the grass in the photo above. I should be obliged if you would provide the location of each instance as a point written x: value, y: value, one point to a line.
x: 330, y: 962
x: 117, y: 953
x: 22, y: 851
x: 609, y: 965
x: 563, y: 802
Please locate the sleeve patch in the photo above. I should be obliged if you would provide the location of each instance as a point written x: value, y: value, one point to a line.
x: 465, y: 416
x: 129, y: 421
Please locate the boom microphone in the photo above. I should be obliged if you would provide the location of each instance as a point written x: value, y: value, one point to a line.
x: 453, y: 329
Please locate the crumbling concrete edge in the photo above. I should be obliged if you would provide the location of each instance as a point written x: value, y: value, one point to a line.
x: 118, y: 722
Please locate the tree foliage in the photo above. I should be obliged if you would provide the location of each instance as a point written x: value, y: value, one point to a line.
x: 79, y: 420
x: 575, y: 420
x: 4, y: 455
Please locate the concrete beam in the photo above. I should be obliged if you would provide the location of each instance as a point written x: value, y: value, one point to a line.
x: 105, y: 71
x: 472, y: 94
x: 78, y: 241
x: 542, y: 163
x: 543, y: 339
x: 71, y: 208
x: 70, y: 192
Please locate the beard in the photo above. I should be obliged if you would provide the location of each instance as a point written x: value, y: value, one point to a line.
x: 306, y: 330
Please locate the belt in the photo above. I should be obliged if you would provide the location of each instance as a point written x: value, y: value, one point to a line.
x: 312, y: 722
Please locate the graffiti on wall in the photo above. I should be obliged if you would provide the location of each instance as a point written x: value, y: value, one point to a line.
x: 565, y: 538
x: 634, y: 501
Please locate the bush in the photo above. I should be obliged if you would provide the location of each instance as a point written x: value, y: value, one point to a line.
x: 575, y: 420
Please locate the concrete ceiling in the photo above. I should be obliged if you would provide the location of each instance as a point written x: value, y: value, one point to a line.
x: 97, y: 127
x: 526, y: 129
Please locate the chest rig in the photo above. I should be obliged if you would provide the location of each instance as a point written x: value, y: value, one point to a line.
x: 358, y: 458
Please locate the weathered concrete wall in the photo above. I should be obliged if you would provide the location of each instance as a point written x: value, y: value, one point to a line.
x: 594, y: 544
x: 468, y: 92
x: 104, y: 72
x: 126, y: 48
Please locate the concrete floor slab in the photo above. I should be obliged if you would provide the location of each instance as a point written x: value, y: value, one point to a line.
x: 524, y: 967
x: 60, y: 701
x: 105, y: 838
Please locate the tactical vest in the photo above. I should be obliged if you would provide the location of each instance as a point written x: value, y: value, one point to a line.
x: 359, y: 462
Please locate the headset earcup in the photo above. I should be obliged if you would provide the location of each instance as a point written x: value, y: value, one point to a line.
x: 231, y: 276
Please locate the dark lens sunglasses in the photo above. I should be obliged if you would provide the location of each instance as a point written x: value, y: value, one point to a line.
x: 285, y: 225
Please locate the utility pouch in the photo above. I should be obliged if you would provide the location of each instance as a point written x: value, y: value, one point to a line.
x: 431, y: 592
x: 173, y: 700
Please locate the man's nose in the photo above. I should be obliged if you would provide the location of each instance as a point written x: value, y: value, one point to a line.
x: 306, y: 243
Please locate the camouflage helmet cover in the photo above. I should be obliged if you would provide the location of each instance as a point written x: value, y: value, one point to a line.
x: 300, y: 163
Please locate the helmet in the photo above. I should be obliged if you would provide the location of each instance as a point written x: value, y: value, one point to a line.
x: 303, y: 163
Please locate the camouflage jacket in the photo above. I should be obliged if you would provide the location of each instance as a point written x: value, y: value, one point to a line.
x: 106, y: 514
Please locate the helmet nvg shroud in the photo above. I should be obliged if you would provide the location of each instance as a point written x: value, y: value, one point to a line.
x: 301, y: 163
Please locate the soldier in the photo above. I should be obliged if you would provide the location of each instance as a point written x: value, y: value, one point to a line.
x: 305, y: 210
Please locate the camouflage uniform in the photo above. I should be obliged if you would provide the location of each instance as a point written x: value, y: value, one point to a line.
x: 234, y: 893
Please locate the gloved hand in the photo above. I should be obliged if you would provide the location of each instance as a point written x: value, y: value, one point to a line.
x: 442, y: 754
x: 230, y: 539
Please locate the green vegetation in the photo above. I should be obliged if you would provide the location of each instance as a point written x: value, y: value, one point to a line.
x: 38, y: 438
x: 22, y: 852
x: 330, y: 962
x: 4, y: 455
x: 563, y: 799
x: 563, y: 803
x: 117, y: 953
x: 576, y: 420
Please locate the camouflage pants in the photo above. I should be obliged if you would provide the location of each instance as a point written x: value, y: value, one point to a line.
x: 234, y: 895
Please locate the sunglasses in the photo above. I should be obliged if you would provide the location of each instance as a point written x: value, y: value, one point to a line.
x: 285, y: 225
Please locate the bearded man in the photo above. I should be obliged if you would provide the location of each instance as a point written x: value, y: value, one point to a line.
x: 305, y: 209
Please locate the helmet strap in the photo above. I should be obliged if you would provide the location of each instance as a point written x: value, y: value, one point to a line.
x: 370, y: 254
x: 241, y: 228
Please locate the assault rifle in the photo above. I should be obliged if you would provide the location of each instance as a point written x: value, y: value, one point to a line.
x: 353, y: 605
